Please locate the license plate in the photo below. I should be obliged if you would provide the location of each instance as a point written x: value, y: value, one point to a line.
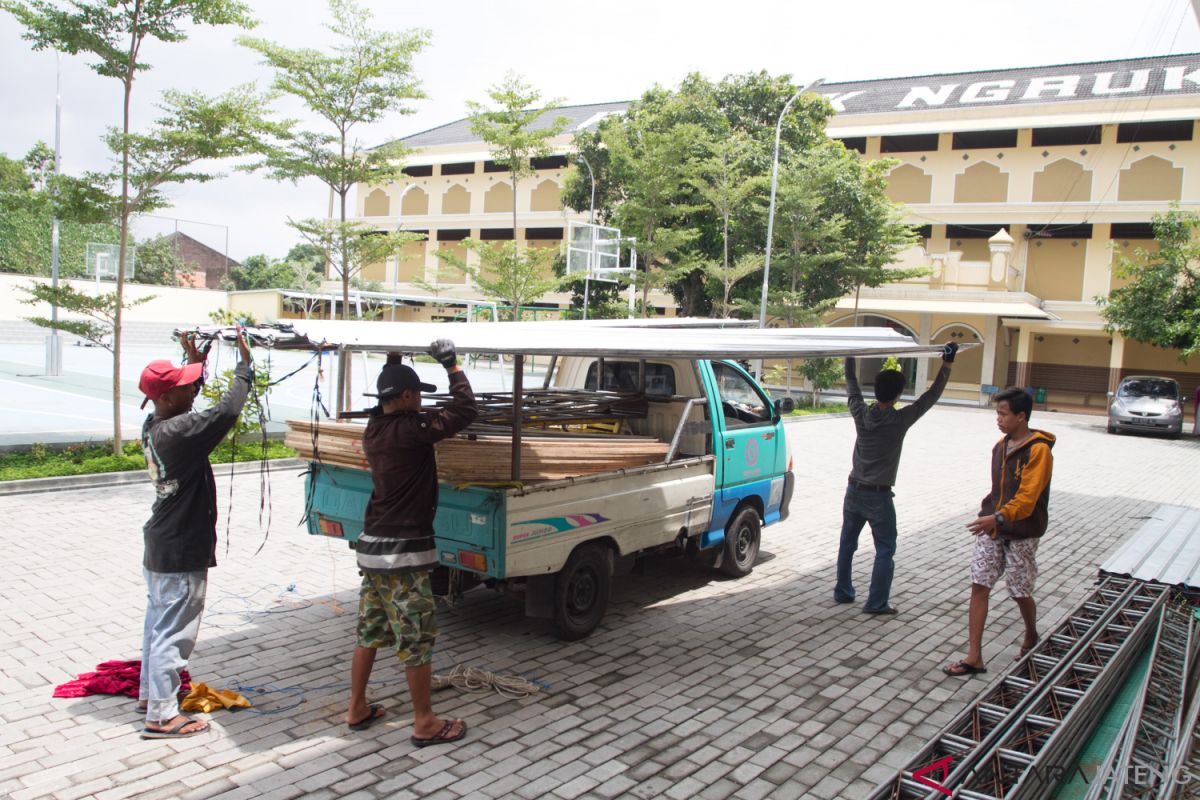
x: 1141, y: 421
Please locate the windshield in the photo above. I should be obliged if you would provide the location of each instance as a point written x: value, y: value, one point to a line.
x: 1148, y: 387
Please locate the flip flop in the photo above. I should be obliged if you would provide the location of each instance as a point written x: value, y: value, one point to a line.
x: 375, y: 712
x: 175, y: 731
x: 961, y: 669
x: 443, y: 736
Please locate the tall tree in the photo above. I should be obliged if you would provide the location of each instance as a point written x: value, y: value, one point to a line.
x: 111, y: 33
x: 512, y: 275
x: 515, y: 131
x: 724, y: 182
x: 357, y: 245
x: 1160, y: 305
x: 367, y: 76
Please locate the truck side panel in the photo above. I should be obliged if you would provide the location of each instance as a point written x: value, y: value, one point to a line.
x: 635, y: 511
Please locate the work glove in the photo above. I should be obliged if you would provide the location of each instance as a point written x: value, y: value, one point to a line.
x: 442, y: 351
x: 948, y: 352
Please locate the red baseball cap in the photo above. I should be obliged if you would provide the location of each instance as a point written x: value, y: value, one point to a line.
x: 160, y: 377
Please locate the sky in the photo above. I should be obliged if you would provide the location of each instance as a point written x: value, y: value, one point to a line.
x: 583, y: 53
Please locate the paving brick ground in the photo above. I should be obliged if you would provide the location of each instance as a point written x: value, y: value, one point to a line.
x: 694, y: 686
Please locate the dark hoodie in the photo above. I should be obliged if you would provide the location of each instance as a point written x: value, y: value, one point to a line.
x: 1021, y: 486
x: 881, y: 430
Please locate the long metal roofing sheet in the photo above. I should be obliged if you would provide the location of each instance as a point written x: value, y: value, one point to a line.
x: 1166, y: 549
x: 606, y: 340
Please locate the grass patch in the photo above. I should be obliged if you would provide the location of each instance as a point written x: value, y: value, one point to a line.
x: 91, y: 459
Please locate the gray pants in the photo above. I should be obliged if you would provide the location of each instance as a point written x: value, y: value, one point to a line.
x: 174, y: 602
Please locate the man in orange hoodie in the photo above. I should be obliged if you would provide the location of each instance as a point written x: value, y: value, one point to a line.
x: 1012, y: 518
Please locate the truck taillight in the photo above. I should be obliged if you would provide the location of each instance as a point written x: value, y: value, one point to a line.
x: 790, y: 461
x: 471, y: 560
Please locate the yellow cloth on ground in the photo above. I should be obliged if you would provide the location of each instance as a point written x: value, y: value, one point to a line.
x: 205, y: 698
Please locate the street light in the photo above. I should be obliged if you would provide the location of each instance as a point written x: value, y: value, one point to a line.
x: 591, y: 221
x: 762, y: 313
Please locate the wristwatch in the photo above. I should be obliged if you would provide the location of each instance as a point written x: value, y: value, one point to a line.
x: 999, y: 520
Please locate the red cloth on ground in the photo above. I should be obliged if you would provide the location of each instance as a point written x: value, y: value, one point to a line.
x: 112, y: 677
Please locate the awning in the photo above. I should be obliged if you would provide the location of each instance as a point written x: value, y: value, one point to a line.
x: 948, y: 307
x: 611, y: 339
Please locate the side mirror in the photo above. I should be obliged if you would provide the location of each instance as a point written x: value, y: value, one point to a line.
x: 785, y: 405
x: 1110, y: 395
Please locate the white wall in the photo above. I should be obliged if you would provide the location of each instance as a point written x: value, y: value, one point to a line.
x: 170, y: 304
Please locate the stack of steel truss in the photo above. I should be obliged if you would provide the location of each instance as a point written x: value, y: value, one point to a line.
x: 1153, y: 743
x: 1014, y: 740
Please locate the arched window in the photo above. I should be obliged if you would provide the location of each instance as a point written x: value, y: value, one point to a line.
x: 909, y: 184
x: 545, y: 197
x: 1152, y: 178
x: 981, y: 183
x: 414, y: 203
x: 377, y: 204
x: 498, y: 199
x: 456, y: 200
x: 1064, y: 181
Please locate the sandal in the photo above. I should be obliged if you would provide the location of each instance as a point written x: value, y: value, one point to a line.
x: 443, y: 736
x: 1024, y: 651
x: 961, y: 669
x: 375, y: 712
x: 176, y: 731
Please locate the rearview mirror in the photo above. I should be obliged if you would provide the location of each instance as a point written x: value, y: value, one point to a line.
x: 785, y: 405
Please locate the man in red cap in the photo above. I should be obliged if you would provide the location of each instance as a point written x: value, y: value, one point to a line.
x: 396, y: 551
x: 181, y: 535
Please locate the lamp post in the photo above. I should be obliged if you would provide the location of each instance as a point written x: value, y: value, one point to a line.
x: 591, y: 221
x: 53, y: 343
x: 762, y: 313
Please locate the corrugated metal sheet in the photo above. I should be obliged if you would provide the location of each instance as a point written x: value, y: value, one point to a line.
x: 1164, y: 550
x: 605, y: 341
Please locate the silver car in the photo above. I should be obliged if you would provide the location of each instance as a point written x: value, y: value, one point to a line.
x: 1145, y: 403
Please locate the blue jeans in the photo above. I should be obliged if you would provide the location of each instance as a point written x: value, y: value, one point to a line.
x: 174, y: 601
x: 859, y: 508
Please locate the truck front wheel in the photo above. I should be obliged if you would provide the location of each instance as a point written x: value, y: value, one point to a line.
x: 741, y: 543
x: 581, y: 591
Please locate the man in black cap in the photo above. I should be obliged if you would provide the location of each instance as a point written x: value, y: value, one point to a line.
x: 396, y: 551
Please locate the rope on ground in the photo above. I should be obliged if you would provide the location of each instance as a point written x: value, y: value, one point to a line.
x: 472, y: 679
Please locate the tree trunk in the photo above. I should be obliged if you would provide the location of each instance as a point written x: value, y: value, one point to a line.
x: 857, y: 289
x: 116, y: 336
x: 345, y: 250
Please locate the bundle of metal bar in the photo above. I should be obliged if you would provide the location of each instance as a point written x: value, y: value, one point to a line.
x: 983, y: 722
x: 1183, y: 780
x: 1035, y: 751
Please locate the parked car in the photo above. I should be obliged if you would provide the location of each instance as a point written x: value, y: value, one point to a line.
x: 1145, y: 403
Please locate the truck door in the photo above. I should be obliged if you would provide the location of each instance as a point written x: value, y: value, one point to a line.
x: 745, y: 437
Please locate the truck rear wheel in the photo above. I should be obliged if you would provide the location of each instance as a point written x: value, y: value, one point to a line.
x: 581, y: 591
x: 742, y: 537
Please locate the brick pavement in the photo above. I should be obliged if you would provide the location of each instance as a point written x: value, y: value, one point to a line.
x: 694, y: 686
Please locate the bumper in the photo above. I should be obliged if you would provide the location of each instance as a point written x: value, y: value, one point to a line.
x: 789, y: 485
x: 1147, y: 424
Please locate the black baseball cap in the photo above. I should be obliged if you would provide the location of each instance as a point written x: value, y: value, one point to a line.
x: 395, y: 378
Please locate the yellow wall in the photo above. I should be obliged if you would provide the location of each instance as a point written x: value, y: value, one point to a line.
x: 1055, y: 268
x: 412, y: 262
x: 376, y: 204
x: 1071, y: 349
x: 374, y: 272
x: 456, y: 200
x: 447, y: 273
x: 545, y: 197
x: 498, y: 199
x: 1141, y: 357
x: 909, y: 184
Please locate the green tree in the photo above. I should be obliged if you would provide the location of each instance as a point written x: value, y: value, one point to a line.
x: 112, y: 33
x: 1160, y: 305
x: 822, y: 373
x: 367, y: 76
x: 30, y: 197
x: 96, y: 314
x: 158, y: 263
x: 512, y: 131
x: 261, y: 272
x: 357, y: 246
x: 509, y: 274
x: 724, y: 182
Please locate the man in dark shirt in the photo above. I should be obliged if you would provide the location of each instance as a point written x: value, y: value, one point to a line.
x: 881, y: 428
x: 396, y: 551
x: 181, y: 535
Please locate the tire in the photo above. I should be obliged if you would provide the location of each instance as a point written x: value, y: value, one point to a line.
x: 742, y: 537
x: 581, y: 591
x: 1112, y: 428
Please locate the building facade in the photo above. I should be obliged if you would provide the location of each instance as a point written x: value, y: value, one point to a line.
x: 1024, y: 183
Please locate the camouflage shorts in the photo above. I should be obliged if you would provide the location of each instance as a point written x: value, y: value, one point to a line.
x: 398, y: 611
